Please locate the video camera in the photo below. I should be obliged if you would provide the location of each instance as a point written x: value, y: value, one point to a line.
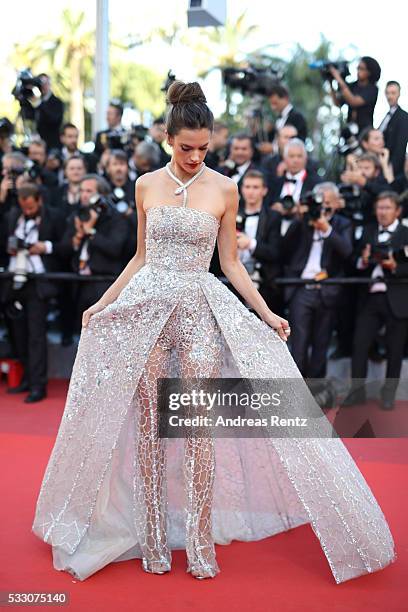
x: 26, y: 86
x: 252, y: 80
x: 98, y: 203
x: 324, y: 67
x: 314, y: 202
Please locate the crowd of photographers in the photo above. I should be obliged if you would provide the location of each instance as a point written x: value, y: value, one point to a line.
x: 65, y: 211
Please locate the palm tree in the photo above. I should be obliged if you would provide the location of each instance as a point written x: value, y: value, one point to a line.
x: 67, y: 57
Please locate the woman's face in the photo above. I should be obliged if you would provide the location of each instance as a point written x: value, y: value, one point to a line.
x: 363, y: 73
x: 190, y: 148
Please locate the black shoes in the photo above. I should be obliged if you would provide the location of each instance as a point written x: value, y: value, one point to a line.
x: 35, y: 396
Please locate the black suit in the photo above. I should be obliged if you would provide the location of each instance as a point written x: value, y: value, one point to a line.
x: 266, y: 253
x: 311, y: 311
x: 30, y: 329
x: 48, y: 117
x: 105, y: 250
x: 396, y: 138
x: 376, y: 309
x: 296, y: 119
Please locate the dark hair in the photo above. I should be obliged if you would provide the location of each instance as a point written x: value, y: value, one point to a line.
x: 393, y: 83
x: 68, y: 126
x: 159, y: 120
x: 119, y: 154
x: 373, y: 68
x: 102, y: 184
x: 77, y: 156
x: 365, y: 133
x: 243, y: 136
x: 188, y: 108
x: 220, y: 125
x: 117, y: 105
x: 29, y: 190
x: 256, y: 174
x: 389, y: 195
x: 278, y: 90
x: 370, y: 157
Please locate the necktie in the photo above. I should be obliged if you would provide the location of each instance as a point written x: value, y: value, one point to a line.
x: 290, y: 180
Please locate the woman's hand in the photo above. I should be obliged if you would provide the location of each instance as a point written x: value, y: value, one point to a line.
x: 86, y: 315
x: 281, y: 325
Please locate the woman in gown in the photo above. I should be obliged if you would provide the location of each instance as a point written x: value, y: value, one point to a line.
x: 113, y: 489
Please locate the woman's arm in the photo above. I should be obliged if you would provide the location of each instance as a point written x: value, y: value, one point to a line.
x: 235, y: 271
x: 133, y: 266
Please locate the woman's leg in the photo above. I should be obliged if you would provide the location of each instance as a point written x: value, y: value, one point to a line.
x: 200, y: 358
x: 150, y: 473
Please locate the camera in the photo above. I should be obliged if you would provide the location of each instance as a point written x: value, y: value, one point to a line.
x: 26, y: 86
x: 380, y: 251
x: 252, y: 80
x: 21, y: 268
x: 351, y: 194
x: 324, y: 67
x: 314, y: 202
x: 115, y: 140
x: 97, y: 203
x: 287, y: 202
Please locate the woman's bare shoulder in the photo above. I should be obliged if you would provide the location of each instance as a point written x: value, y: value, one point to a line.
x: 224, y: 182
x: 147, y: 178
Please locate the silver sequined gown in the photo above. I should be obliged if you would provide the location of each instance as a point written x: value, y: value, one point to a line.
x: 113, y: 491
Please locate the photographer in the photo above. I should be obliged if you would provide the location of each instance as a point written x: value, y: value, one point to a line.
x: 47, y: 112
x: 6, y: 132
x: 111, y: 138
x: 394, y: 127
x: 315, y: 247
x: 381, y: 254
x: 367, y: 177
x: 37, y: 153
x: 361, y: 95
x: 93, y: 241
x: 285, y: 191
x: 14, y: 166
x: 34, y: 233
x: 372, y: 141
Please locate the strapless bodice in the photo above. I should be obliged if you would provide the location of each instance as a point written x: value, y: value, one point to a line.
x: 180, y: 238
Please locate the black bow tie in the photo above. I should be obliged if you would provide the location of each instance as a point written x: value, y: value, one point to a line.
x: 290, y: 180
x: 254, y: 214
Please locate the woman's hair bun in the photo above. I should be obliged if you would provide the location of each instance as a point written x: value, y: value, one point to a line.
x: 185, y: 93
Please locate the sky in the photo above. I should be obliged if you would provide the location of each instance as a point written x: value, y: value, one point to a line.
x: 356, y: 28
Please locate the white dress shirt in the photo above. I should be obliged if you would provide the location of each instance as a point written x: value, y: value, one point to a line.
x: 384, y: 123
x: 384, y: 234
x: 313, y: 264
x: 28, y: 230
x: 251, y: 226
x: 240, y: 171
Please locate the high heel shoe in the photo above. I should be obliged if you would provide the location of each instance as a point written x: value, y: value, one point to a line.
x: 155, y: 566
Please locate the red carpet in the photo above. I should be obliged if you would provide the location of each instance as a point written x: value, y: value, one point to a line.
x: 285, y: 572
